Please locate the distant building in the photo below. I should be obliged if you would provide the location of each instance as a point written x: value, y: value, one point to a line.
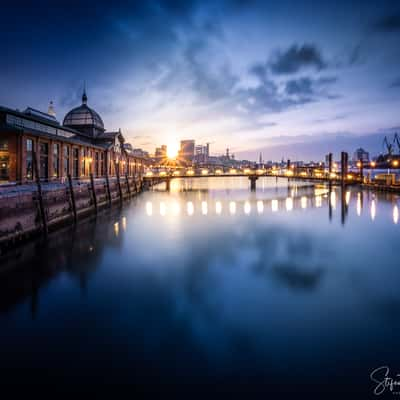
x: 187, y: 150
x: 361, y: 155
x: 202, y: 154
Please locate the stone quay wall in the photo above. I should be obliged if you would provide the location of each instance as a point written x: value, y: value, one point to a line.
x: 20, y: 205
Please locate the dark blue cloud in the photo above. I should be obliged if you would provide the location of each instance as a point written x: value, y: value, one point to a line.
x: 296, y: 58
x: 388, y: 24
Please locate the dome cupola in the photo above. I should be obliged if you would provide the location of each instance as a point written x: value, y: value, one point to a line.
x: 84, y: 119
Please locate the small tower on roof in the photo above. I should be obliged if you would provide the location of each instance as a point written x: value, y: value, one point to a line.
x: 50, y: 110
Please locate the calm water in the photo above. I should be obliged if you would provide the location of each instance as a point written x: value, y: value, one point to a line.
x: 295, y: 287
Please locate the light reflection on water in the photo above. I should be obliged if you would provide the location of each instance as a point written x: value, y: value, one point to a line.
x: 215, y: 280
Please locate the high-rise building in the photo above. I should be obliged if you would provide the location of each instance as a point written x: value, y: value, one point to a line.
x: 187, y: 150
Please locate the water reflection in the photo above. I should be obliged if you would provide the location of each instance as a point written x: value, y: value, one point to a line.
x: 209, y: 278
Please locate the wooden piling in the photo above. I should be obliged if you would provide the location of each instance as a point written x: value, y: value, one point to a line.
x: 93, y: 192
x: 127, y: 185
x: 40, y: 195
x: 118, y: 182
x: 108, y: 190
x: 72, y: 196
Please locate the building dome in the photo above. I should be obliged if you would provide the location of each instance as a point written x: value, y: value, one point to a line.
x: 84, y: 119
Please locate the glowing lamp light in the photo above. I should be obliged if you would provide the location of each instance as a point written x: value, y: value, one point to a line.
x: 349, y: 176
x: 149, y: 209
x: 289, y: 173
x: 395, y: 214
x: 373, y: 210
x: 204, y: 208
x: 232, y: 208
x: 333, y: 175
x: 218, y: 172
x: 260, y: 171
x: 303, y: 173
x: 176, y: 173
x: 162, y: 173
x: 247, y: 170
x: 190, y: 208
x: 149, y: 173
x: 232, y: 171
x: 359, y: 164
x: 395, y: 163
x: 190, y: 172
x: 289, y: 204
x: 373, y: 164
x: 204, y: 172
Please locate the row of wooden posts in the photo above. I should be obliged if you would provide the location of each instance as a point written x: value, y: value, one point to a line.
x: 72, y: 194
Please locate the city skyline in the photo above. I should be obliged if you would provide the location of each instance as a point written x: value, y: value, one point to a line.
x: 253, y: 76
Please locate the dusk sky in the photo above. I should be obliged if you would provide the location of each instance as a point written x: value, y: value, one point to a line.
x: 243, y: 74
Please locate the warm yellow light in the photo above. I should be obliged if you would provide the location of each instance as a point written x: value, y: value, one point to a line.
x: 260, y: 171
x: 373, y: 164
x: 172, y: 150
x: 247, y: 208
x: 247, y: 170
x: 204, y: 172
x: 359, y: 164
x: 274, y: 172
x: 176, y: 173
x: 395, y: 163
x: 190, y: 208
x: 232, y: 208
x: 204, y: 207
x: 190, y: 172
x: 149, y: 173
x: 318, y: 174
x: 395, y: 214
x: 218, y: 172
x: 333, y: 175
x: 163, y: 173
x: 349, y: 176
x: 289, y: 204
x: 303, y: 173
x: 289, y: 173
x: 232, y: 171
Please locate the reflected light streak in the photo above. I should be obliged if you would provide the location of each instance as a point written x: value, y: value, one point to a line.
x: 190, y: 208
x: 373, y: 210
x: 333, y: 200
x: 204, y: 208
x: 247, y: 208
x: 124, y: 223
x: 289, y: 204
x: 232, y: 208
x: 395, y: 214
x: 274, y: 205
x: 303, y: 202
x: 218, y: 207
x: 149, y: 208
x: 348, y: 196
x: 116, y: 228
x: 318, y: 201
x: 359, y: 207
x: 260, y: 207
x: 163, y: 209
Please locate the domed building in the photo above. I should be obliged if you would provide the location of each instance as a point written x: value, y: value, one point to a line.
x: 84, y: 119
